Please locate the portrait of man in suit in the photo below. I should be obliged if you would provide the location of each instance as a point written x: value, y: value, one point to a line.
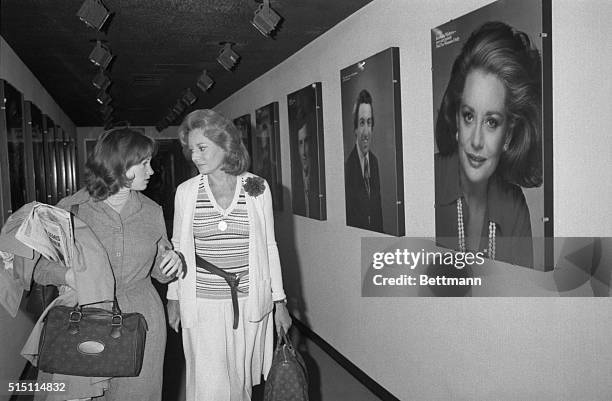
x: 305, y: 134
x: 361, y: 174
x: 305, y: 191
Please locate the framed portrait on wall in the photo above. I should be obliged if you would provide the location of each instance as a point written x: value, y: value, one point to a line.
x: 307, y: 155
x: 492, y: 100
x: 266, y: 151
x: 243, y: 123
x: 372, y: 137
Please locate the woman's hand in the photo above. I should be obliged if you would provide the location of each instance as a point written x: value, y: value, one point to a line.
x: 174, y: 314
x: 172, y: 264
x: 70, y: 278
x: 281, y: 317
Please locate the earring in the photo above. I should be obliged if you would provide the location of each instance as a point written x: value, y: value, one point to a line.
x: 457, y: 136
x: 505, y: 147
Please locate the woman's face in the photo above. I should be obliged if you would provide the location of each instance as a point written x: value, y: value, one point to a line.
x: 481, y: 126
x: 206, y: 155
x: 140, y: 174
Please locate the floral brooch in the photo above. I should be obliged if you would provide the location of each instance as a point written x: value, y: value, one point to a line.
x: 254, y: 186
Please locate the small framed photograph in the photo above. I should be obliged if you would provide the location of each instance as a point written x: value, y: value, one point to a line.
x: 266, y: 151
x: 307, y: 155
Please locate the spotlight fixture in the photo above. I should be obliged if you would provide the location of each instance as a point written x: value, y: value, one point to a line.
x: 93, y: 13
x: 178, y: 108
x: 266, y: 19
x: 205, y: 82
x: 172, y: 115
x: 100, y: 55
x: 106, y: 111
x: 188, y: 97
x: 103, y: 97
x: 101, y: 80
x: 227, y: 57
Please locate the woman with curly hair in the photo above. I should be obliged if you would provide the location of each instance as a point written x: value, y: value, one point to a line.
x: 132, y: 230
x: 488, y: 133
x: 224, y: 226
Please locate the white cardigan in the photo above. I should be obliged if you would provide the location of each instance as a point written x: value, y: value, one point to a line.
x: 265, y: 278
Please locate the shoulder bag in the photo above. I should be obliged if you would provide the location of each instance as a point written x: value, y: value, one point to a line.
x: 94, y: 342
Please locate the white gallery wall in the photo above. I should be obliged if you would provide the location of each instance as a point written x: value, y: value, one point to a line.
x: 434, y: 348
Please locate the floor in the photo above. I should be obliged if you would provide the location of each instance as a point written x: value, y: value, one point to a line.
x: 328, y: 381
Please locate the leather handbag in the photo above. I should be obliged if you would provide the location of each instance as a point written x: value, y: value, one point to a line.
x: 288, y: 377
x: 95, y: 342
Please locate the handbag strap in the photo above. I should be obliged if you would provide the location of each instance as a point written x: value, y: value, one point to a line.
x: 116, y: 309
x: 74, y: 210
x: 283, y: 338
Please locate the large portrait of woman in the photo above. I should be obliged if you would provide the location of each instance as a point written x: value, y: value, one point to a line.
x: 490, y: 96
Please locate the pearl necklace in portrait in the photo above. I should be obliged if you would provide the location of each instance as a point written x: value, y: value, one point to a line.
x: 461, y: 233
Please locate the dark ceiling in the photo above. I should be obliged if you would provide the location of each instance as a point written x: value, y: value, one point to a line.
x: 161, y: 47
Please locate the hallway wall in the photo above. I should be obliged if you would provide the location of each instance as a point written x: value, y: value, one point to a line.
x: 14, y: 331
x: 434, y: 348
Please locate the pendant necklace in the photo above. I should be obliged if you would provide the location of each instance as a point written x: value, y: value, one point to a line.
x: 461, y: 232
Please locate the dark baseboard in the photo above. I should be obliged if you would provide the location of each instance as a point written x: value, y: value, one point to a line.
x: 349, y: 366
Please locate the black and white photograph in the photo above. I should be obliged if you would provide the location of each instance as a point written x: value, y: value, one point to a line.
x: 266, y: 151
x: 244, y: 125
x: 305, y: 200
x: 489, y: 135
x: 307, y: 154
x: 372, y: 137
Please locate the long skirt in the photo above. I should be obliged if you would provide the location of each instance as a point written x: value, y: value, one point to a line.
x: 224, y: 364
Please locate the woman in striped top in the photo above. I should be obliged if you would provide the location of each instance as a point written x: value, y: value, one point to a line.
x: 224, y: 216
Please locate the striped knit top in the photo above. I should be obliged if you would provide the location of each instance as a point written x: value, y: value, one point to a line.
x: 222, y: 238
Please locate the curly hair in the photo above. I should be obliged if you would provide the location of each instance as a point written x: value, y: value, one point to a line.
x: 223, y: 133
x: 499, y: 49
x: 115, y: 152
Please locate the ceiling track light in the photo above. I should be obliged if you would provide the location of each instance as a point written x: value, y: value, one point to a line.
x: 103, y: 97
x: 228, y: 57
x: 188, y: 97
x: 178, y: 108
x: 101, y: 80
x: 93, y: 13
x: 266, y: 19
x: 205, y: 81
x: 100, y: 55
x: 106, y: 111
